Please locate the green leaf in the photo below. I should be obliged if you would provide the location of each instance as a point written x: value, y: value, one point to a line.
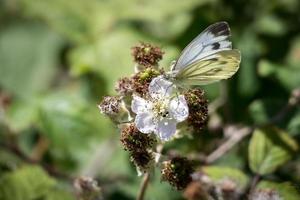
x: 110, y: 57
x: 222, y: 173
x: 285, y: 190
x: 293, y: 126
x: 262, y: 110
x: 72, y: 124
x: 250, y: 48
x: 21, y: 115
x: 270, y: 148
x: 59, y: 194
x: 28, y: 57
x: 293, y: 58
x: 28, y: 182
x: 270, y: 24
x: 287, y: 75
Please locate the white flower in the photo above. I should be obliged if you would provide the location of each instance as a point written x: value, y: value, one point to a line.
x: 161, y: 113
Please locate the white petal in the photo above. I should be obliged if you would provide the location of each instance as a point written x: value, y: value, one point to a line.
x: 166, y: 129
x: 178, y: 108
x: 160, y: 87
x: 145, y: 123
x: 140, y: 105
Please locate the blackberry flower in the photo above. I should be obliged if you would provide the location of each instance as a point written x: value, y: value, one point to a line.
x: 162, y: 112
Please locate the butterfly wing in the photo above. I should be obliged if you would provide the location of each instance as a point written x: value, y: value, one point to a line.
x: 221, y: 65
x: 213, y: 39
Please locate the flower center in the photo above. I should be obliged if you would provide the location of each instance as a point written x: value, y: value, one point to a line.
x: 160, y: 109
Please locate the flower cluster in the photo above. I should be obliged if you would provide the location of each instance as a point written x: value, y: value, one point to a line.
x: 151, y: 109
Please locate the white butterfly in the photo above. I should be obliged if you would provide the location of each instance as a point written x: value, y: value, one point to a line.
x: 207, y: 59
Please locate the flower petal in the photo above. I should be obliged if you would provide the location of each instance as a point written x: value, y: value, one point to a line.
x: 145, y: 123
x: 160, y: 87
x: 140, y: 105
x: 166, y: 129
x: 178, y: 108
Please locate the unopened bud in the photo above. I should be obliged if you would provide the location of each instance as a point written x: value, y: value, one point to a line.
x: 142, y: 79
x: 146, y: 55
x: 177, y: 172
x: 197, y: 109
x: 87, y: 188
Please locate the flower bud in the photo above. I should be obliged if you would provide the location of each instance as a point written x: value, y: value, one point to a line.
x: 142, y: 79
x: 114, y: 108
x: 198, y: 111
x: 124, y: 86
x: 177, y: 172
x: 87, y: 188
x: 146, y: 55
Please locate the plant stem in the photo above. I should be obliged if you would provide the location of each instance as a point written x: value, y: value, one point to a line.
x: 143, y: 187
x: 226, y: 146
x: 253, y: 184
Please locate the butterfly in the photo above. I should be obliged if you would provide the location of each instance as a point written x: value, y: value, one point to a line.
x: 207, y: 59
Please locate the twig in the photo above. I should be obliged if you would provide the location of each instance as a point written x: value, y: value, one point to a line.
x: 253, y: 184
x: 146, y: 178
x: 226, y: 146
x: 143, y: 187
x: 50, y: 169
x: 238, y: 135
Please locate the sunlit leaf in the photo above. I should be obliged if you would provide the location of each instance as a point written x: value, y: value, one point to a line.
x: 28, y: 182
x: 28, y: 57
x: 270, y: 24
x: 222, y: 173
x: 287, y: 75
x: 110, y: 57
x: 270, y: 148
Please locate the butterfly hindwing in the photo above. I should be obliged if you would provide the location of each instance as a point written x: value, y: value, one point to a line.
x: 213, y: 39
x: 221, y: 65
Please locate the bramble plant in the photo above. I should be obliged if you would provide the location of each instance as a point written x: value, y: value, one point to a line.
x: 150, y: 111
x: 167, y: 133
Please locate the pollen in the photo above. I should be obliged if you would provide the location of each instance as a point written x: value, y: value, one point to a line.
x: 160, y: 109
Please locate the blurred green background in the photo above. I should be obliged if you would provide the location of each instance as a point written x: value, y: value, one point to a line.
x: 59, y: 57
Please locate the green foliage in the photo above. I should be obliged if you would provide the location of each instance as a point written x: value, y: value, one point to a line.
x: 222, y: 173
x: 59, y: 57
x: 28, y: 182
x: 270, y: 148
x: 285, y: 190
x: 28, y: 57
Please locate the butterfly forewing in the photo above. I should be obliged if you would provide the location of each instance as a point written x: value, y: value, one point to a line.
x: 213, y: 39
x: 221, y: 65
